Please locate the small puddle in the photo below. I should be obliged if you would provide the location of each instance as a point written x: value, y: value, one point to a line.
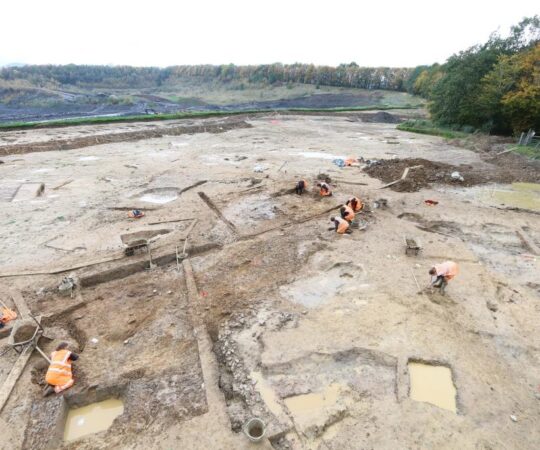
x: 432, y: 384
x: 308, y: 405
x: 92, y: 419
x: 159, y: 198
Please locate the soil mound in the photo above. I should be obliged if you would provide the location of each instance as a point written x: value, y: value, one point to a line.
x: 429, y: 172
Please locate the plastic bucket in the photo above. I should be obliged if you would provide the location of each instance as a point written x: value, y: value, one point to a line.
x: 255, y: 429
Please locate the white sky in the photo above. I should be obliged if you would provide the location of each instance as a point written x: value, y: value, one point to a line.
x: 162, y: 33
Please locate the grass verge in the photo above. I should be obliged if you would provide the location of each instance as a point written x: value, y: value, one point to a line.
x: 530, y: 151
x: 428, y: 127
x: 182, y: 115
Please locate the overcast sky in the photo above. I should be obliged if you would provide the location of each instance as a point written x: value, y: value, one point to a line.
x: 162, y: 33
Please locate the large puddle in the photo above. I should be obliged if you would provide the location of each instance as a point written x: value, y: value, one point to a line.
x: 91, y: 419
x: 432, y: 384
x: 518, y: 195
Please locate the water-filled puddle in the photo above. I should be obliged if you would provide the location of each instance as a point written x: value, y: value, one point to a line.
x: 432, y: 384
x: 520, y: 195
x: 306, y: 405
x: 91, y: 419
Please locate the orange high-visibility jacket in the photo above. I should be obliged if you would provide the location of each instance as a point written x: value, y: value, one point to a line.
x: 349, y: 213
x: 448, y: 269
x: 59, y: 372
x: 355, y: 204
x: 7, y: 315
x: 343, y: 225
x: 324, y: 189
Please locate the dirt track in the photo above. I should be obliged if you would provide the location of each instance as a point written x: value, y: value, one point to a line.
x: 291, y: 308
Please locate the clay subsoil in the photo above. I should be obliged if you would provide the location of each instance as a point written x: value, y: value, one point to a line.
x: 269, y: 309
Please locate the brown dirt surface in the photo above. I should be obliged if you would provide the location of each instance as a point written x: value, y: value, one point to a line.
x: 513, y: 169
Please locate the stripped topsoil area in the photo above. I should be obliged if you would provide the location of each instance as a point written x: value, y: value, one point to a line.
x: 507, y: 168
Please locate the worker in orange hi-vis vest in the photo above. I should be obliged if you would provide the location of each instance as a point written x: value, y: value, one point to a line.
x: 6, y: 315
x: 324, y: 189
x: 341, y: 226
x: 59, y: 376
x: 347, y: 213
x: 355, y: 204
x: 443, y: 273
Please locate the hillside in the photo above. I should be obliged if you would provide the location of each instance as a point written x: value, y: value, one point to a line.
x: 32, y: 93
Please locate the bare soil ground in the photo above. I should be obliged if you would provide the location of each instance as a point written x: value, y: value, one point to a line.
x: 280, y: 307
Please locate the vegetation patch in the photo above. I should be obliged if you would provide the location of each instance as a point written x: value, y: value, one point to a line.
x: 428, y: 127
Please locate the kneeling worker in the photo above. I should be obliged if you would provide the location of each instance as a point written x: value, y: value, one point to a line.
x: 355, y: 204
x: 6, y: 315
x: 59, y: 376
x: 341, y: 226
x: 443, y: 272
x: 324, y: 189
x: 301, y: 186
x: 347, y: 213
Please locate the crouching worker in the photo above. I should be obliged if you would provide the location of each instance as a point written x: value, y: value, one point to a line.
x: 301, y: 186
x: 324, y: 189
x: 6, y: 315
x: 443, y: 273
x: 341, y: 226
x: 347, y: 213
x: 59, y: 376
x: 355, y: 204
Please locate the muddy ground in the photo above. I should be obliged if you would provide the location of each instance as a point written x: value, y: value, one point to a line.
x: 282, y: 308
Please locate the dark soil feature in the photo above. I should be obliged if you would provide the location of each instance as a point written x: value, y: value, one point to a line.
x: 381, y: 117
x: 507, y: 171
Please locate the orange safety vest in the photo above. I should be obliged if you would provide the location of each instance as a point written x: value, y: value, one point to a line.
x: 7, y: 315
x: 448, y: 269
x: 350, y: 161
x: 59, y: 373
x: 355, y: 204
x: 349, y: 213
x: 324, y: 190
x: 343, y: 225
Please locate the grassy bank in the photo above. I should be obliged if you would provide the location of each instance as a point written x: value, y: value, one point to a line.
x: 428, y: 127
x: 183, y: 115
x: 530, y: 151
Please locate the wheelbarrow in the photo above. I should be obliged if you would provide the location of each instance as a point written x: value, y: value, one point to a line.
x: 21, y: 345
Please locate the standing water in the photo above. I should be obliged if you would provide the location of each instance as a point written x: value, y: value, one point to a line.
x: 91, y: 419
x: 432, y: 384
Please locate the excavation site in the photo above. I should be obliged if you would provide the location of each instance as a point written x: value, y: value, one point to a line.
x: 192, y: 284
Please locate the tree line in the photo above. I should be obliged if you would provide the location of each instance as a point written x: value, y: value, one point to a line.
x: 494, y: 87
x: 344, y: 75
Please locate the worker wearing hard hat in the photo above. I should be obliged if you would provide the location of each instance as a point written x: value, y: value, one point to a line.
x: 442, y: 273
x: 59, y: 376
